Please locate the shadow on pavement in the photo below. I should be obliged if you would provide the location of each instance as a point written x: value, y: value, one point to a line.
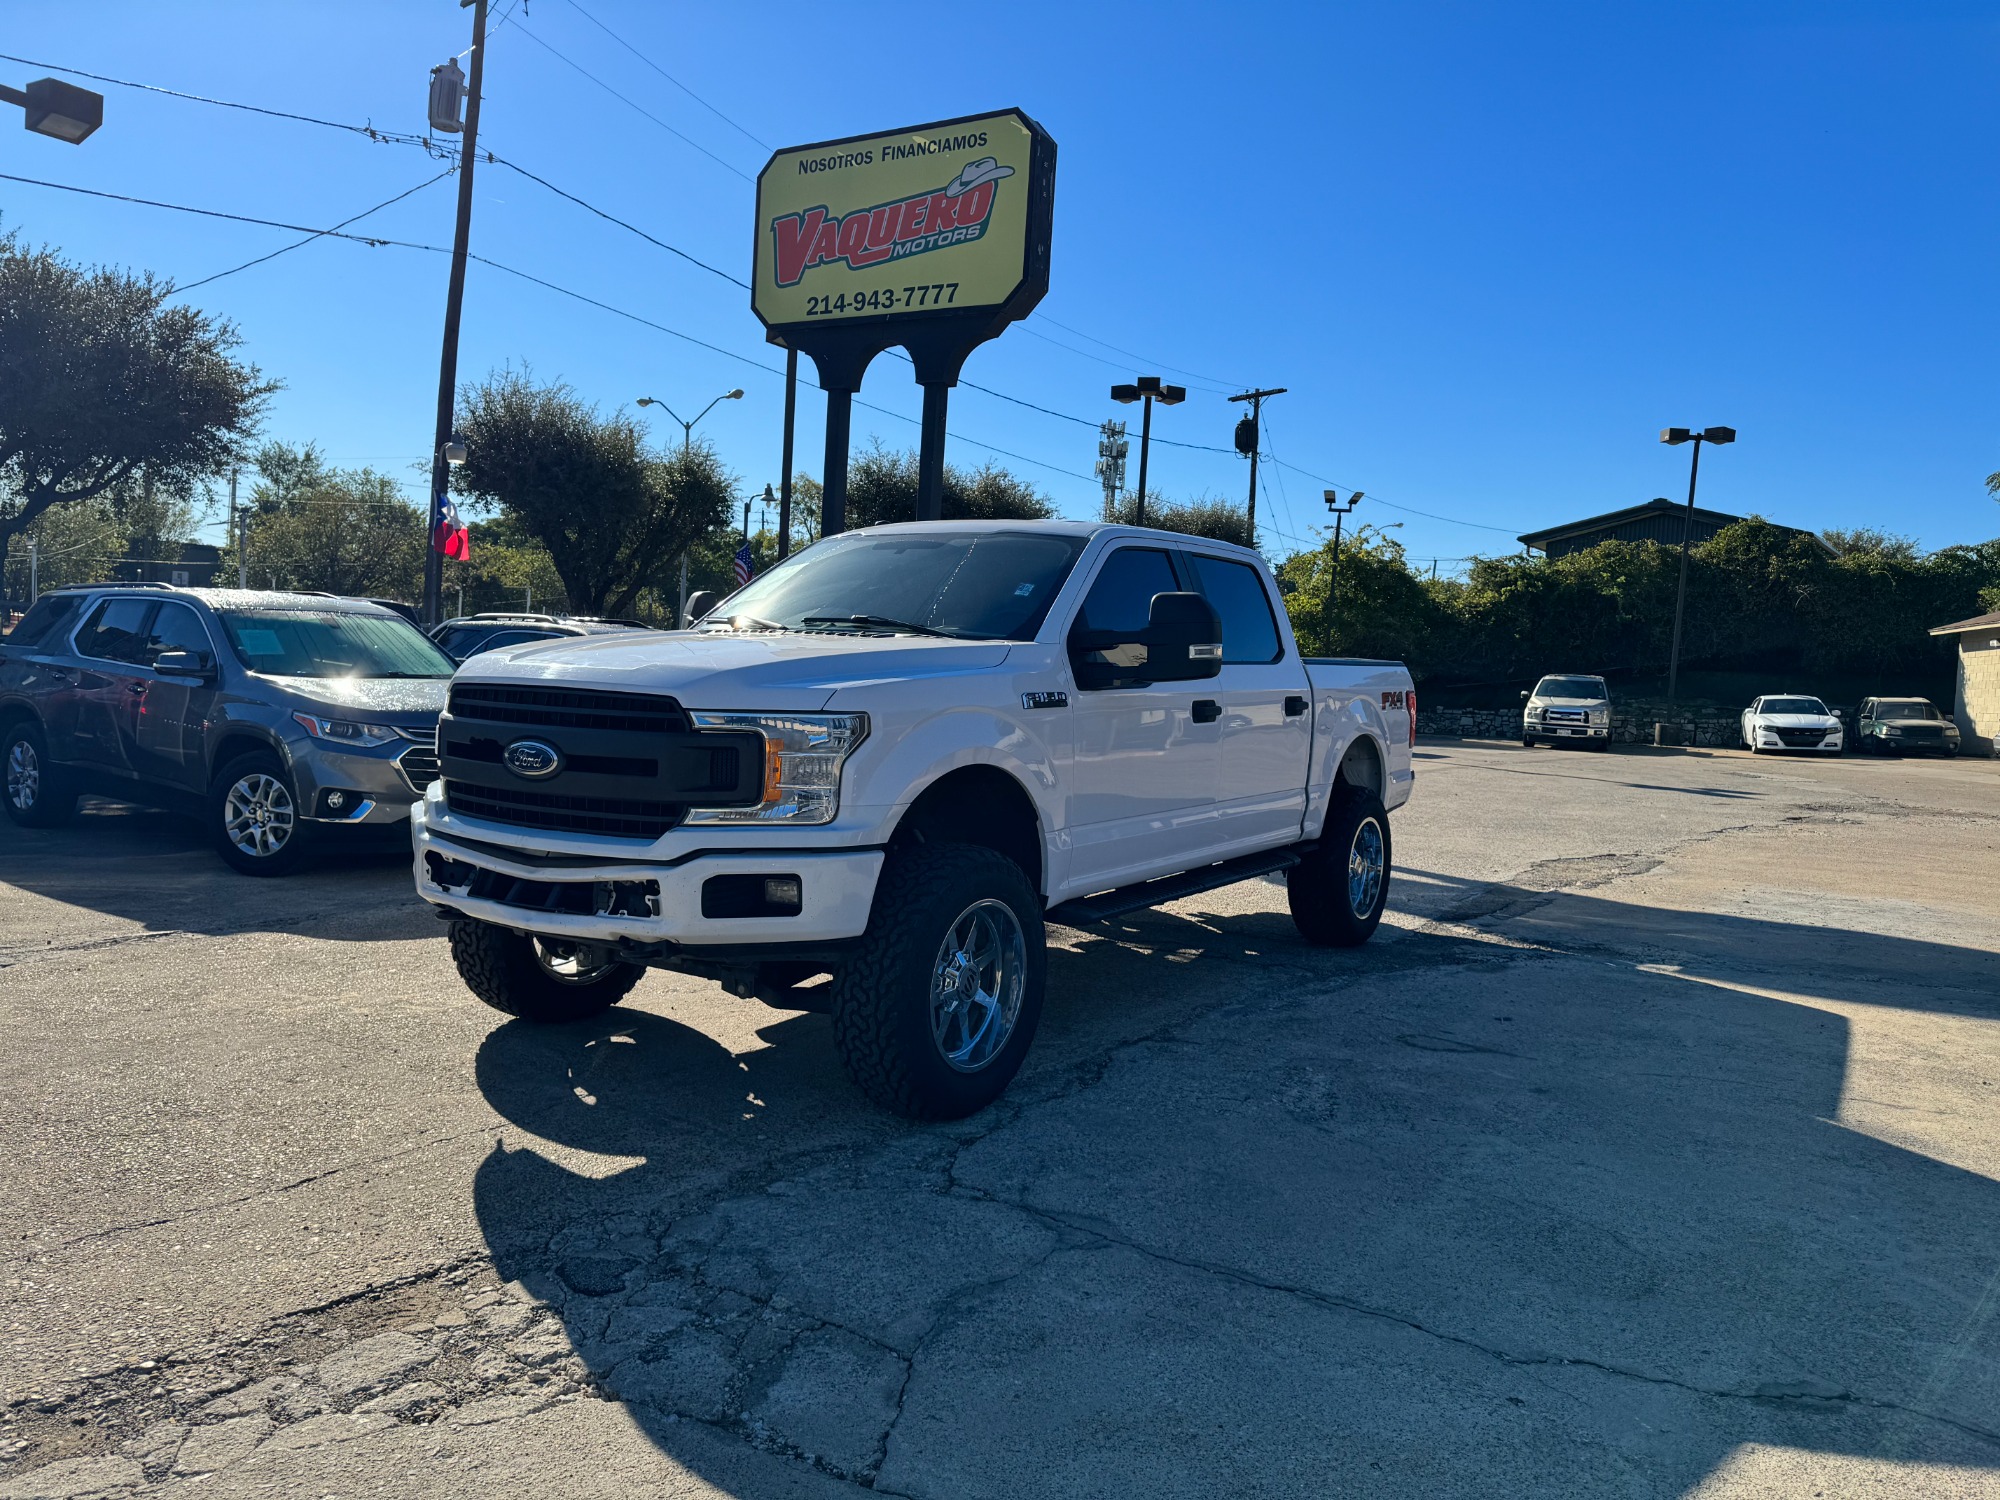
x: 1512, y: 1224
x: 155, y: 869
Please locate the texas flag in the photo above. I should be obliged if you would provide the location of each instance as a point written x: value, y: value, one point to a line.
x: 452, y: 537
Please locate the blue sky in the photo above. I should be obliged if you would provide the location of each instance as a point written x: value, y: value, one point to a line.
x: 1490, y: 248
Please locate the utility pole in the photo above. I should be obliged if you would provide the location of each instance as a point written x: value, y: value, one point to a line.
x: 454, y: 300
x: 241, y: 527
x: 1248, y: 431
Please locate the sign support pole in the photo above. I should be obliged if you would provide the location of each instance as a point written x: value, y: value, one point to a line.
x: 833, y: 479
x: 930, y: 453
x: 785, y: 485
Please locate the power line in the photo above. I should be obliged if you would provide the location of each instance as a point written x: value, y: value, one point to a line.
x: 688, y: 140
x: 663, y: 72
x: 613, y: 218
x: 318, y: 234
x: 1174, y: 369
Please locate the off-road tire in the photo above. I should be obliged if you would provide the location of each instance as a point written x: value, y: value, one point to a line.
x: 1317, y: 888
x: 54, y: 799
x: 882, y: 995
x: 292, y: 855
x: 502, y: 969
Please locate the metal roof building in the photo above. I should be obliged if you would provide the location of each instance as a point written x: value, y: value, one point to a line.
x: 1655, y: 521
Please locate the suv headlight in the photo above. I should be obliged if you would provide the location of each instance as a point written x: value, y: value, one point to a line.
x: 344, y: 732
x: 803, y: 754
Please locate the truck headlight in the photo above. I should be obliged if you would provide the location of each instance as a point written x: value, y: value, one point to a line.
x: 803, y: 754
x: 1534, y: 715
x: 1600, y: 716
x: 344, y: 732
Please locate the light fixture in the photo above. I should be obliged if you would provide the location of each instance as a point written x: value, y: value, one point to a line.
x: 59, y: 110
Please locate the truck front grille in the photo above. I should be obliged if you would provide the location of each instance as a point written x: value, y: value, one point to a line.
x: 566, y: 708
x: 614, y: 817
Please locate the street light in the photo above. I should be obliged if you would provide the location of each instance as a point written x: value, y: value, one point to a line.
x: 1147, y: 388
x: 56, y: 109
x: 687, y: 441
x: 687, y: 428
x: 1340, y: 513
x: 1677, y: 436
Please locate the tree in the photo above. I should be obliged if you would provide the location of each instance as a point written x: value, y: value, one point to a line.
x: 348, y: 531
x: 613, y: 517
x: 1370, y: 604
x: 1205, y: 516
x: 882, y: 488
x: 1868, y: 539
x: 101, y: 379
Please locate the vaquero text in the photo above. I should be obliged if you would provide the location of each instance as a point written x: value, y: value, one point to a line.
x: 869, y: 236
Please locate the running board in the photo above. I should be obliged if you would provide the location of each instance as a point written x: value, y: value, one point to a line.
x: 1130, y: 898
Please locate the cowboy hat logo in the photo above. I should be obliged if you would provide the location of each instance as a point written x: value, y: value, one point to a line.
x: 954, y: 214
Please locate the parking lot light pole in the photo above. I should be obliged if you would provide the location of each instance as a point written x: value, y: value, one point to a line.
x: 1340, y: 513
x: 1147, y: 388
x: 59, y: 110
x: 687, y: 443
x: 1678, y: 435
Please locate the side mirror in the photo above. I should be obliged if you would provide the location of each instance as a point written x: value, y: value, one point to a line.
x: 1524, y: 694
x: 185, y: 664
x: 1182, y: 642
x: 701, y: 603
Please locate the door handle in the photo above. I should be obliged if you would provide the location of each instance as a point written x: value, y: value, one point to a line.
x: 137, y: 688
x: 1206, y: 710
x: 1294, y: 707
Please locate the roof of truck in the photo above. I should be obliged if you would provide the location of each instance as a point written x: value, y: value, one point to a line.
x: 1084, y: 529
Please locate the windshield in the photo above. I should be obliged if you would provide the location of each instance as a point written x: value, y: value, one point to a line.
x: 1905, y: 708
x: 990, y: 585
x: 1569, y: 687
x: 1794, y: 706
x: 329, y: 643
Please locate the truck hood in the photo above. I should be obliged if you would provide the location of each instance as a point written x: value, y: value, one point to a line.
x: 747, y: 673
x: 1569, y: 703
x: 399, y: 699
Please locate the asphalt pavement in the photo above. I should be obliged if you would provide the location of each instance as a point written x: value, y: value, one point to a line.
x: 1651, y: 1149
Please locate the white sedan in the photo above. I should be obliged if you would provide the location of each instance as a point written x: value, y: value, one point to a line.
x: 1788, y: 721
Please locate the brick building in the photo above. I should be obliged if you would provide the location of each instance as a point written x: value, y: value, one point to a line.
x: 1977, y: 705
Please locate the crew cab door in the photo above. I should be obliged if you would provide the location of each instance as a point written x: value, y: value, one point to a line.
x: 1141, y: 785
x: 1266, y: 745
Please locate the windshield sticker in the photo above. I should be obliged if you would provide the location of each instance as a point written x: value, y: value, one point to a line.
x: 259, y: 642
x: 1024, y: 590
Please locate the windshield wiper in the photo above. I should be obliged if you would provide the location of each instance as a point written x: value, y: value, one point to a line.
x: 879, y: 620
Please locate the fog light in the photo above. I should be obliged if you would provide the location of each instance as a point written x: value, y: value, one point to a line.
x: 336, y: 800
x: 782, y: 891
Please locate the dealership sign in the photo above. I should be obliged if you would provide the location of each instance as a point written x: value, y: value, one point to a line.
x: 936, y: 223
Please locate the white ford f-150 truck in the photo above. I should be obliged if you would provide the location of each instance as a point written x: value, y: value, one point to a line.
x: 865, y: 782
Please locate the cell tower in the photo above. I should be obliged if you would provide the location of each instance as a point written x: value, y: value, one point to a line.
x: 1111, y: 451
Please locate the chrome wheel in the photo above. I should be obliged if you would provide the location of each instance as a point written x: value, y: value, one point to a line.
x: 1365, y: 868
x: 976, y: 985
x: 572, y: 963
x: 24, y: 776
x: 258, y: 815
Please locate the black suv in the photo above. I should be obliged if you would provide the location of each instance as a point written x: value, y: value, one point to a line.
x: 468, y: 635
x: 273, y: 716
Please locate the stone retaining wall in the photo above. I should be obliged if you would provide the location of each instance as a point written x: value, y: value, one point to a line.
x: 1631, y: 722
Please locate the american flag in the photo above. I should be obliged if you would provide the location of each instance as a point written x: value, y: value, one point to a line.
x: 743, y: 569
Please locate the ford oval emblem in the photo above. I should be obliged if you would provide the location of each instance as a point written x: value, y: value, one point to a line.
x: 532, y: 759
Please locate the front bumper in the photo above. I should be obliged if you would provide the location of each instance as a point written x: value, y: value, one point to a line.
x: 1542, y: 730
x: 378, y: 784
x: 650, y: 902
x: 1831, y: 744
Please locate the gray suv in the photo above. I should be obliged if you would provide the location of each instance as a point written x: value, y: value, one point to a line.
x: 274, y: 717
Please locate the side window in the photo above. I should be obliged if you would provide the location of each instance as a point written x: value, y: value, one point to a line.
x: 463, y: 640
x: 1122, y: 597
x: 47, y: 621
x: 1249, y: 634
x: 117, y: 631
x: 176, y: 628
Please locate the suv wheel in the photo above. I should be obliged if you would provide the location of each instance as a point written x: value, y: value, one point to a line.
x: 253, y: 816
x: 937, y: 1008
x: 538, y: 979
x: 1339, y: 892
x: 38, y: 793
